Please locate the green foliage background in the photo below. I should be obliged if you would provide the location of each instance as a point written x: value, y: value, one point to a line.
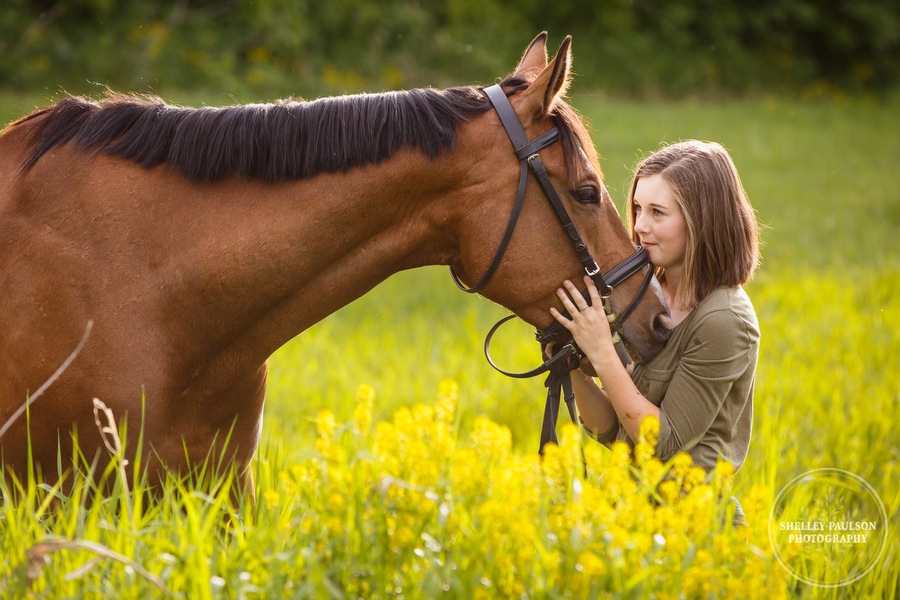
x: 310, y: 47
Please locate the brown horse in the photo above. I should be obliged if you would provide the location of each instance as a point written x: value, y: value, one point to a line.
x: 198, y: 241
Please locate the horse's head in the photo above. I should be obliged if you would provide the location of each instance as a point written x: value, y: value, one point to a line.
x: 540, y: 255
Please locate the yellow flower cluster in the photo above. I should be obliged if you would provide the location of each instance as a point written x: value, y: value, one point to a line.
x: 437, y: 511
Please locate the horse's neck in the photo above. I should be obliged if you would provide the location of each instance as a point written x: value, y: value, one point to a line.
x: 275, y: 259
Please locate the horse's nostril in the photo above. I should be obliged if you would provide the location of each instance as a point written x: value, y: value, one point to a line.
x: 662, y: 325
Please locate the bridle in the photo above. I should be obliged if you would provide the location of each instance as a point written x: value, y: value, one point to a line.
x: 566, y: 358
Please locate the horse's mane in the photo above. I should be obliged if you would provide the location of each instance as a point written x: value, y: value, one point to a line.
x: 274, y: 142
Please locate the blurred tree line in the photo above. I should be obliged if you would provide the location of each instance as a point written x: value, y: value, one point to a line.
x: 309, y: 47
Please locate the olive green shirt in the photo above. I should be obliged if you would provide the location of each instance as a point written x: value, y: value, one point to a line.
x: 702, y: 382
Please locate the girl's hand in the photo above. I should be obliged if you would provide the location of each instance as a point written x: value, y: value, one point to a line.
x: 588, y: 324
x: 585, y: 366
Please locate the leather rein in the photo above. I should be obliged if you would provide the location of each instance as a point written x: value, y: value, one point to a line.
x: 568, y: 357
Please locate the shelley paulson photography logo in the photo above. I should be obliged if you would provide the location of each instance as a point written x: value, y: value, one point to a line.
x: 828, y: 528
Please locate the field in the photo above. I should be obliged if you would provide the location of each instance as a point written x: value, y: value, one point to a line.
x: 396, y: 463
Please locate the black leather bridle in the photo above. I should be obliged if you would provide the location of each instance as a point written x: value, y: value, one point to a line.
x: 566, y: 358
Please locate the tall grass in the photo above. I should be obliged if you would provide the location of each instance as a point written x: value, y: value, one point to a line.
x: 424, y: 502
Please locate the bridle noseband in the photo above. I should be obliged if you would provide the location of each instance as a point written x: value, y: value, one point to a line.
x: 567, y: 358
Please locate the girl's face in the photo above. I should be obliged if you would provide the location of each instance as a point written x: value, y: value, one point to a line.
x: 659, y: 222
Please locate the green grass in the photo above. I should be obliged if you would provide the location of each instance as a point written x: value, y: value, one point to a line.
x: 824, y: 181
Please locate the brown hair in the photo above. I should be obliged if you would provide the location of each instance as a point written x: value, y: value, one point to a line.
x: 723, y: 239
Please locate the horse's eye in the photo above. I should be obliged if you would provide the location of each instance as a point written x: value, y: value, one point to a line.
x: 587, y: 195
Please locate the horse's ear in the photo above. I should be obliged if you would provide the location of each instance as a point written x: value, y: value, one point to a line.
x: 550, y: 85
x: 534, y: 60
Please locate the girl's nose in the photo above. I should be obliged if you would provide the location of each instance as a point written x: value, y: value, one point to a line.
x: 640, y: 224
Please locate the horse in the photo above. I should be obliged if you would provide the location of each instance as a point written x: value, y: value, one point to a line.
x: 191, y: 243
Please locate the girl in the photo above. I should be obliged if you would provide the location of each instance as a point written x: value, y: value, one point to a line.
x: 688, y: 208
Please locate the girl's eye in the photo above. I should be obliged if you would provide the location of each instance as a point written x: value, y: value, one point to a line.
x: 653, y: 211
x: 587, y: 195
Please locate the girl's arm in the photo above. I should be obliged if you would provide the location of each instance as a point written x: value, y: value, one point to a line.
x: 597, y: 414
x: 590, y: 329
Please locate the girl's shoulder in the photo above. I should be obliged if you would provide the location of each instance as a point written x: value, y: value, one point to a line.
x: 724, y: 297
x: 726, y: 307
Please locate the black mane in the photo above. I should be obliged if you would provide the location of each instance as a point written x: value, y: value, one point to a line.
x: 285, y: 140
x: 273, y: 142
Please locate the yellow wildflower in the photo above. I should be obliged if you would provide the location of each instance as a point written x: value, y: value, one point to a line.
x: 592, y: 566
x: 616, y: 479
x: 326, y: 427
x: 669, y: 491
x: 272, y: 499
x: 448, y: 397
x: 652, y: 471
x: 468, y: 477
x: 648, y: 431
x: 570, y: 444
x: 362, y: 413
x: 553, y: 465
x: 492, y: 442
x: 287, y: 482
x: 694, y: 477
x: 723, y: 476
x: 621, y: 454
x: 681, y: 463
x: 326, y: 424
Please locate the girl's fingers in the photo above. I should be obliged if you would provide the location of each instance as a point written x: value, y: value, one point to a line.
x: 568, y: 304
x: 562, y: 320
x: 593, y: 291
x: 577, y: 301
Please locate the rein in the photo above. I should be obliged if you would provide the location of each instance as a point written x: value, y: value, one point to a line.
x: 568, y: 357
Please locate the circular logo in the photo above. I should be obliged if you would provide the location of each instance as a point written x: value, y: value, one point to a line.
x: 828, y: 527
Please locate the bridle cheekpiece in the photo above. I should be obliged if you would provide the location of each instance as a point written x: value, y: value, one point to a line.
x: 566, y: 358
